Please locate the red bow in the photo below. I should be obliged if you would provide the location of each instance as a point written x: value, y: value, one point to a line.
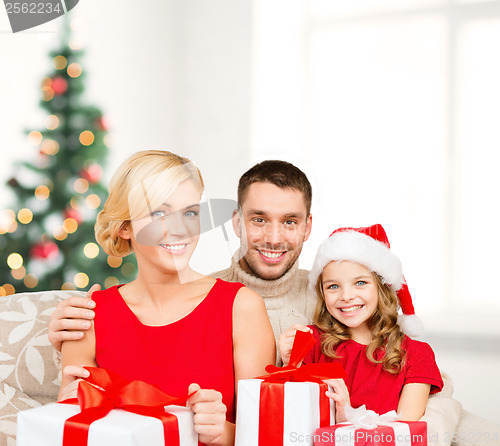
x: 104, y: 391
x: 303, y: 342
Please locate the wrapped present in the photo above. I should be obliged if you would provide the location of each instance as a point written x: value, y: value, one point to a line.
x: 109, y: 409
x: 286, y: 406
x: 44, y: 426
x: 367, y: 428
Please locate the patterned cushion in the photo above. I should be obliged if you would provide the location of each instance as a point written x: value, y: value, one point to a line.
x: 29, y: 375
x: 12, y: 401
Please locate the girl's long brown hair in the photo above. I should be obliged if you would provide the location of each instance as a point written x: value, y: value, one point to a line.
x: 387, y: 336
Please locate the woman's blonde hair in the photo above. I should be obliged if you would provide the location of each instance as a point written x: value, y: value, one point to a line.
x: 385, y: 346
x: 140, y: 185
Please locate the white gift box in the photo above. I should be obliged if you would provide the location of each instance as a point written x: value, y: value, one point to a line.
x: 44, y: 426
x: 301, y: 413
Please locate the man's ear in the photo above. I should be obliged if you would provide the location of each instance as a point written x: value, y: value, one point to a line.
x: 236, y: 220
x: 125, y: 231
x: 308, y: 227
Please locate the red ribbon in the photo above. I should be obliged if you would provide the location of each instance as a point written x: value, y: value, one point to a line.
x: 104, y: 391
x: 272, y: 389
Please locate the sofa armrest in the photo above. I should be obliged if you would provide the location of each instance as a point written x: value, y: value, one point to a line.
x: 27, y: 365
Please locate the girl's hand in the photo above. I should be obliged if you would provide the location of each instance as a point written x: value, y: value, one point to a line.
x: 74, y: 375
x: 285, y: 341
x: 340, y: 395
x: 209, y: 414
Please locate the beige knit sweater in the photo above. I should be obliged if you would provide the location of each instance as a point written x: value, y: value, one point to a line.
x: 288, y: 302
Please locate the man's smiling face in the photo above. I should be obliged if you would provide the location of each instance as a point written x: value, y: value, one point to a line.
x: 272, y: 225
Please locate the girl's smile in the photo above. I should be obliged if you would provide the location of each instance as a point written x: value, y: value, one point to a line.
x: 352, y: 310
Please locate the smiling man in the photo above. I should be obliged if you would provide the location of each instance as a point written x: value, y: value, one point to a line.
x: 273, y: 221
x: 272, y: 224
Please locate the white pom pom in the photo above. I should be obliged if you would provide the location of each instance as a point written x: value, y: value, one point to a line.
x: 410, y: 324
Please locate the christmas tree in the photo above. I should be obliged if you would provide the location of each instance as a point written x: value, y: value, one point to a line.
x: 47, y: 240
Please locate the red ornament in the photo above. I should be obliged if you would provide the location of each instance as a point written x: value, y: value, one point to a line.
x: 59, y: 85
x: 73, y: 213
x: 44, y: 250
x: 101, y: 123
x: 92, y: 173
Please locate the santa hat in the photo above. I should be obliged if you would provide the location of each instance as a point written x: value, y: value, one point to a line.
x: 370, y: 247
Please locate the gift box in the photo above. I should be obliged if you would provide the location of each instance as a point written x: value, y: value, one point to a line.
x: 110, y: 409
x: 289, y: 417
x: 285, y: 407
x: 366, y: 428
x: 44, y: 426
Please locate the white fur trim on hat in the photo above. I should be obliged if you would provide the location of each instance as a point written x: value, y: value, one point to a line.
x: 360, y: 248
x: 410, y: 324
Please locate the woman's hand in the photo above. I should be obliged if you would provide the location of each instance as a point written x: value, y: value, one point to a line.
x: 340, y: 395
x: 285, y: 341
x: 209, y: 415
x: 72, y: 374
x: 71, y: 318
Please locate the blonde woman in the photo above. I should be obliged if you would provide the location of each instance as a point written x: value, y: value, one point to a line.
x: 171, y: 326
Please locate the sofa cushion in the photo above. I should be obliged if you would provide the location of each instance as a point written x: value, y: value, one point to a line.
x: 11, y: 402
x: 28, y: 371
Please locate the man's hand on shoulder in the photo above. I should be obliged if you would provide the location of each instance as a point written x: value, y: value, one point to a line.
x: 71, y: 316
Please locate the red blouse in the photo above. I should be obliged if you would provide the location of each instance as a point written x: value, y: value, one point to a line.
x: 195, y: 349
x: 369, y: 383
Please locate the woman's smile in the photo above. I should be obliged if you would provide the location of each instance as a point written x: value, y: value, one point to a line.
x: 175, y: 248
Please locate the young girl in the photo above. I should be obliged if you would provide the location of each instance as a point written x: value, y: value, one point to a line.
x: 360, y: 286
x: 171, y: 326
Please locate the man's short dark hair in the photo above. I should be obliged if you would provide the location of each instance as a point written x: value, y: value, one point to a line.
x: 280, y: 173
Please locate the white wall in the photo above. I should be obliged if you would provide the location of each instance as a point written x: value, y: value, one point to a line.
x: 212, y: 52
